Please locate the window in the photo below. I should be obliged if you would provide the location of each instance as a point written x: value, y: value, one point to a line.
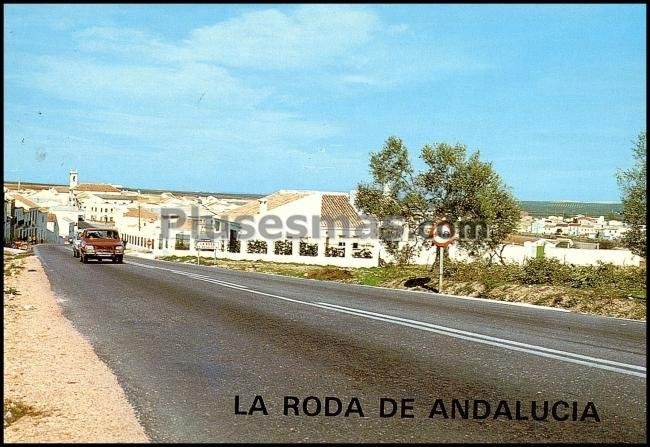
x: 103, y: 234
x: 182, y: 242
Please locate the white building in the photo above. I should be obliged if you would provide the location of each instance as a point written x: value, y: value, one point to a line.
x: 31, y: 220
x: 103, y: 208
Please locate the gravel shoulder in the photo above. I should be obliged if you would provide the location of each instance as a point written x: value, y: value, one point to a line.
x: 56, y: 389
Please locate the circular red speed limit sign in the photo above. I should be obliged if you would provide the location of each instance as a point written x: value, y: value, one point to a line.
x: 443, y: 234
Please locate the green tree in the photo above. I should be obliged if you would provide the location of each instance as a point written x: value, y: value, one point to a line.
x: 454, y: 186
x: 632, y: 183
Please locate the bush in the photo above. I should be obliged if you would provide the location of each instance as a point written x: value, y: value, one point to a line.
x: 603, y: 275
x: 335, y: 252
x: 544, y: 271
x: 308, y: 249
x: 234, y: 246
x: 406, y: 254
x: 257, y: 247
x: 283, y: 247
x: 363, y: 253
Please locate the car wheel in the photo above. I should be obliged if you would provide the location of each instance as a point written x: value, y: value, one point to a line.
x: 120, y: 259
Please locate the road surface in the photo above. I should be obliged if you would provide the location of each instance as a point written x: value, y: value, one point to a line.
x: 185, y: 341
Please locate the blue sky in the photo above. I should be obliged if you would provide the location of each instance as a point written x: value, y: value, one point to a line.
x: 256, y: 98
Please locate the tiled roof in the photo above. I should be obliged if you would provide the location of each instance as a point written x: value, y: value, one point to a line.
x: 142, y: 213
x: 25, y: 201
x: 96, y: 187
x: 113, y: 197
x: 26, y: 186
x: 149, y: 199
x: 518, y: 239
x: 274, y: 200
x: 338, y: 210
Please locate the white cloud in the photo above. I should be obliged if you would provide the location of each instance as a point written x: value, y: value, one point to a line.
x: 189, y: 83
x: 308, y: 37
x: 215, y: 91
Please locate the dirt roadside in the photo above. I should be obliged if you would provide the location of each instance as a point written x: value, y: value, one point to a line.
x: 56, y: 389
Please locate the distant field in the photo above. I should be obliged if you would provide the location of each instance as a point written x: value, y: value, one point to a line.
x: 541, y: 208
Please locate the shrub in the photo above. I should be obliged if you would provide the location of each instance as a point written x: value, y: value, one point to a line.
x: 234, y: 246
x: 544, y: 271
x: 307, y: 249
x: 363, y: 253
x: 335, y: 252
x: 406, y: 254
x: 283, y: 247
x: 257, y: 247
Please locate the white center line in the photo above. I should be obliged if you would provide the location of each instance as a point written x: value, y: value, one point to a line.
x: 594, y: 362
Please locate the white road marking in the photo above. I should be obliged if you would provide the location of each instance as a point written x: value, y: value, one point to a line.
x: 502, y: 343
x: 487, y: 337
x: 191, y: 275
x: 594, y: 362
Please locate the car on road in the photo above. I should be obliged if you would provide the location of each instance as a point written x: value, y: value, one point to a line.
x: 100, y: 243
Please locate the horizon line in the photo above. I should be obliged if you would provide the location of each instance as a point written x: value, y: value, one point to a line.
x: 265, y: 194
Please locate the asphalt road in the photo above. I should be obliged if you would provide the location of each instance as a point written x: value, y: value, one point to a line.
x: 185, y: 340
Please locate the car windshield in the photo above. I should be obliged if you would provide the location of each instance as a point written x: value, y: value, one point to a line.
x: 103, y: 234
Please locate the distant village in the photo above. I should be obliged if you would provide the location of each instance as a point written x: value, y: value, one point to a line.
x: 35, y: 213
x: 578, y: 226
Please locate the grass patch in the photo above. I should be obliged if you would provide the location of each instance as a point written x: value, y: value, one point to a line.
x: 331, y: 274
x: 12, y: 291
x: 604, y: 289
x: 15, y: 409
x: 13, y: 263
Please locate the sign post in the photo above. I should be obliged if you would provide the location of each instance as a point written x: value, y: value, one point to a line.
x: 205, y: 244
x: 442, y: 235
x: 442, y: 256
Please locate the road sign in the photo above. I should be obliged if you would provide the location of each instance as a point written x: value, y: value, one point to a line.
x: 206, y: 244
x: 443, y: 234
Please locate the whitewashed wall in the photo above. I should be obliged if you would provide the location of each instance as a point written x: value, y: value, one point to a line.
x: 577, y: 256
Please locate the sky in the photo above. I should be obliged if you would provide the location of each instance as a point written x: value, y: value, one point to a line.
x: 257, y: 98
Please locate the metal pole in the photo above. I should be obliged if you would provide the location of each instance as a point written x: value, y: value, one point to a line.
x: 442, y: 256
x: 198, y: 256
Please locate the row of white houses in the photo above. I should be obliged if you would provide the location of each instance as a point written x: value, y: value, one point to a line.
x: 300, y: 226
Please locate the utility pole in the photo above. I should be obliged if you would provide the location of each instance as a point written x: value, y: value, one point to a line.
x: 139, y: 216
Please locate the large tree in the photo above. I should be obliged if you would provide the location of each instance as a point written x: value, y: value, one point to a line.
x: 632, y: 183
x: 455, y: 186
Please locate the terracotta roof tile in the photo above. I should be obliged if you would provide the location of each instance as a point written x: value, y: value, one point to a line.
x: 274, y: 200
x: 97, y: 187
x: 337, y: 209
x: 25, y: 201
x: 519, y: 239
x: 142, y: 213
x: 13, y: 186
